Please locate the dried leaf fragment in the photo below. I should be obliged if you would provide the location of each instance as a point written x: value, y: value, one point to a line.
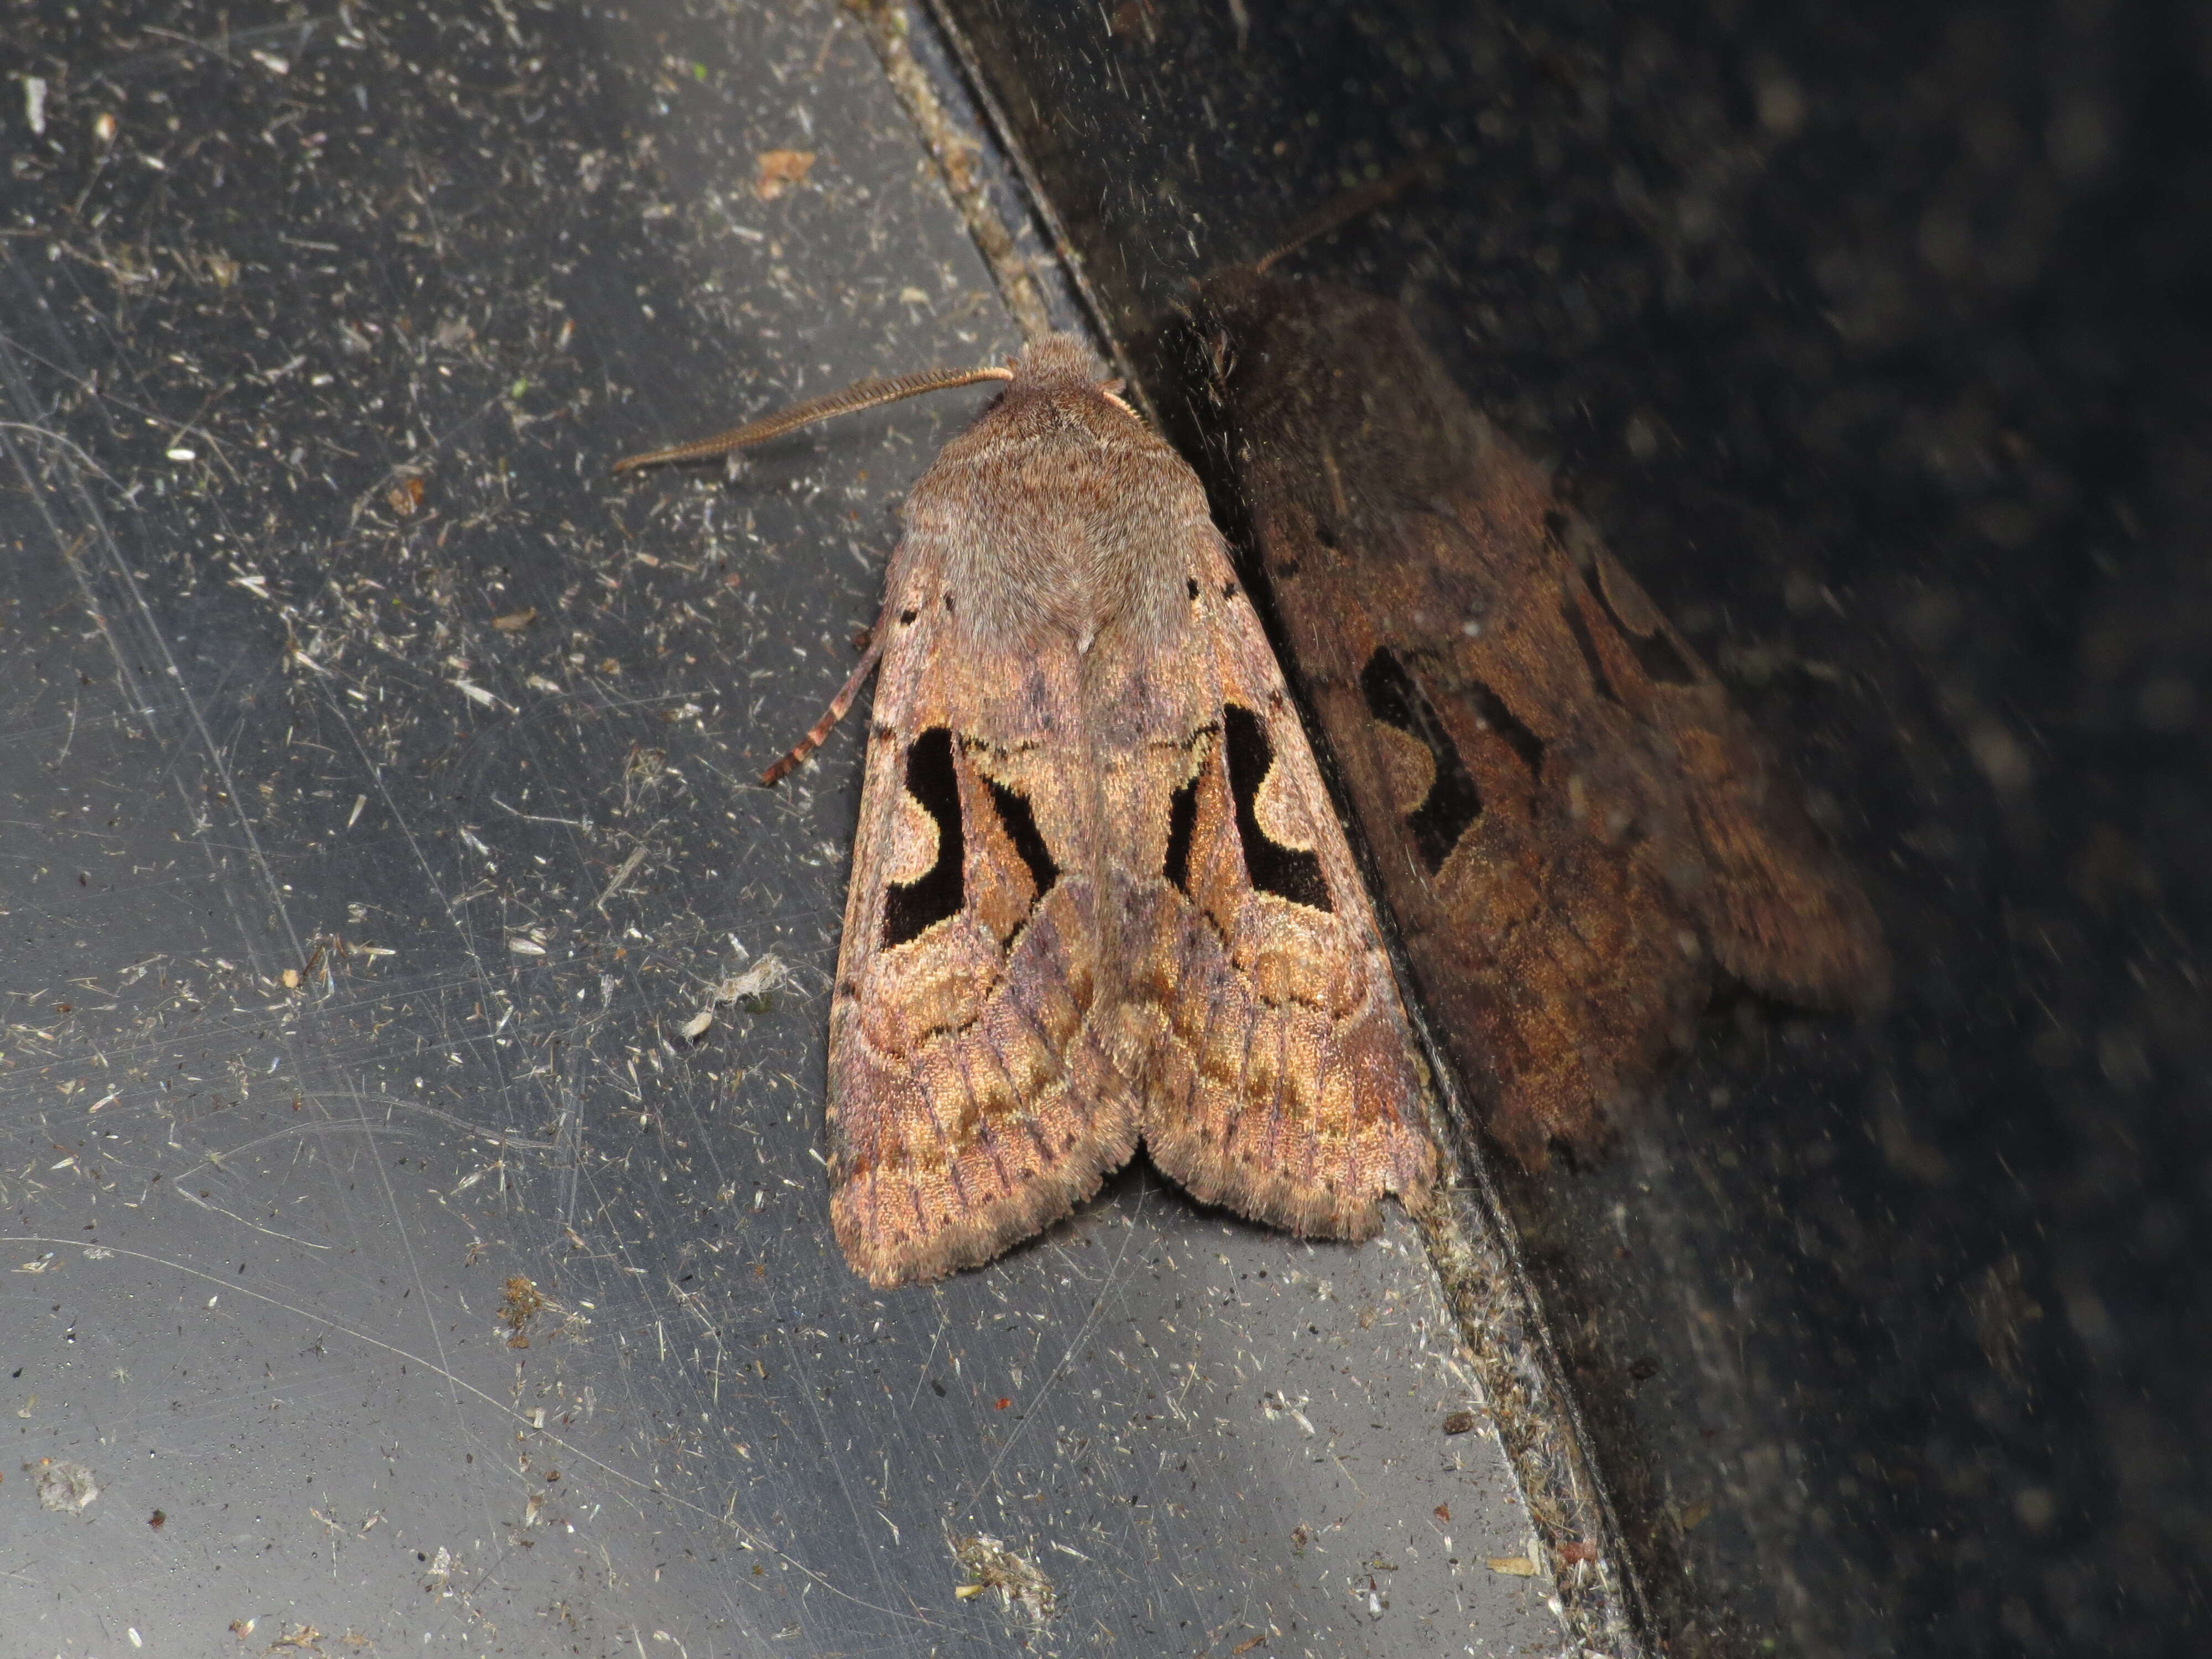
x: 781, y: 169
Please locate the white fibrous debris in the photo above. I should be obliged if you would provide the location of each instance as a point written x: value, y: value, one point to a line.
x: 758, y: 979
x: 66, y: 1488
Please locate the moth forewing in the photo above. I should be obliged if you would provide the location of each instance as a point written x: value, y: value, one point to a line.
x: 1573, y: 828
x: 1097, y: 892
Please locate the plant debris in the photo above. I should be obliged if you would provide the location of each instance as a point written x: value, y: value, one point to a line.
x: 522, y: 1302
x: 779, y: 170
x: 992, y: 1566
x: 751, y: 989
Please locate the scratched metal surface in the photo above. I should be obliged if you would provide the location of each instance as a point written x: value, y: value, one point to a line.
x: 400, y: 1275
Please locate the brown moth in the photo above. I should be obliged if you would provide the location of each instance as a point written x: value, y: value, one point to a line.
x: 1098, y: 894
x: 1578, y: 834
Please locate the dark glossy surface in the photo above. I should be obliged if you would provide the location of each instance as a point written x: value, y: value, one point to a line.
x: 1874, y: 339
x: 403, y: 1278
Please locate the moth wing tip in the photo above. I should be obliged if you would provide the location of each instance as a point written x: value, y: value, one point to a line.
x: 981, y: 1233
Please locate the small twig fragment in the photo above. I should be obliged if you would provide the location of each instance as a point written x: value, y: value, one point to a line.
x: 623, y: 872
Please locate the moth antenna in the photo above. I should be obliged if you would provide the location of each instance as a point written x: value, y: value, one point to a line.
x: 836, y: 712
x: 1343, y: 209
x: 865, y: 394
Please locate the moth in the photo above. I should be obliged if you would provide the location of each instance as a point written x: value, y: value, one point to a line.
x: 1577, y: 835
x: 1098, y: 893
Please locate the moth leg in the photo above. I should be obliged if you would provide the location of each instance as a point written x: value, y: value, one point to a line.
x: 836, y: 712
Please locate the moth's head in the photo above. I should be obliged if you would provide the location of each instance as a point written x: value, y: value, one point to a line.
x: 1061, y: 358
x: 1062, y: 372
